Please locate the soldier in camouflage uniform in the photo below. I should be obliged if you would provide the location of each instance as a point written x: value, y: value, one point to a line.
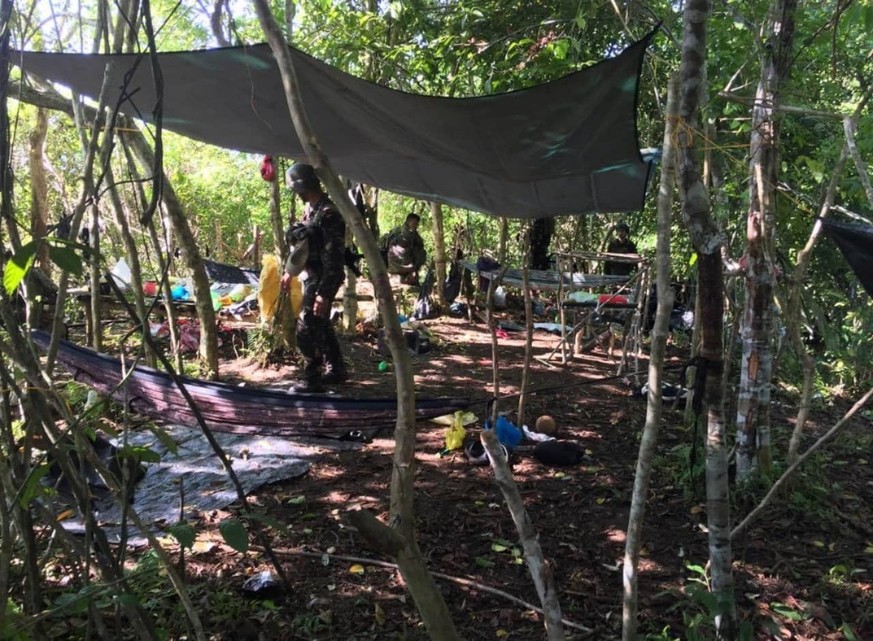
x: 403, y: 250
x: 325, y: 230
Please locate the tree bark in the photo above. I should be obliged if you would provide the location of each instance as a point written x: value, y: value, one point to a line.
x: 850, y: 126
x: 540, y: 569
x: 276, y: 221
x: 707, y: 240
x: 439, y: 253
x: 528, y: 322
x: 350, y: 296
x: 422, y: 587
x: 660, y: 330
x: 6, y: 215
x: 39, y: 187
x: 95, y: 276
x: 753, y: 400
x: 493, y: 284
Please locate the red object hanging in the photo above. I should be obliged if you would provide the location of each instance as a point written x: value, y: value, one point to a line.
x: 268, y: 172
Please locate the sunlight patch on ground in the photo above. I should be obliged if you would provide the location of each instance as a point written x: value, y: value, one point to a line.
x: 614, y: 535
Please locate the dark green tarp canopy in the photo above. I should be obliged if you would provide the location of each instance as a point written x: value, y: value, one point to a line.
x: 564, y: 147
x: 856, y: 243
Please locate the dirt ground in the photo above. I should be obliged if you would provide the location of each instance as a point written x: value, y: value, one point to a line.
x: 802, y: 571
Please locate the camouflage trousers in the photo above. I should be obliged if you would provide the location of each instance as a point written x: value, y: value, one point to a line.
x: 320, y: 348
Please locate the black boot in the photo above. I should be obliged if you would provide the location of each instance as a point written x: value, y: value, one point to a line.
x: 334, y: 366
x: 311, y: 382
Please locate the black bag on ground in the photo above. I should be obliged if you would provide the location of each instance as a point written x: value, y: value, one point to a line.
x: 560, y: 453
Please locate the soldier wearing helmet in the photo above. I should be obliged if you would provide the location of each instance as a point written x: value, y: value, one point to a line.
x: 622, y: 244
x: 324, y: 231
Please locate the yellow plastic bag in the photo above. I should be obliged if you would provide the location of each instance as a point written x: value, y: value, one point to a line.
x: 456, y: 433
x: 268, y: 287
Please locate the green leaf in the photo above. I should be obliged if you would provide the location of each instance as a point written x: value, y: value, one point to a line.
x: 787, y: 611
x: 128, y: 599
x: 848, y: 632
x: 482, y: 562
x: 234, y: 534
x: 499, y: 548
x: 16, y: 268
x: 297, y: 500
x: 67, y: 259
x: 166, y: 440
x: 269, y: 521
x: 184, y: 533
x: 32, y: 487
x: 139, y: 453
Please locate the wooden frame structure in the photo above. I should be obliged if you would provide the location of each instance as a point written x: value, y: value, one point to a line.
x: 635, y: 287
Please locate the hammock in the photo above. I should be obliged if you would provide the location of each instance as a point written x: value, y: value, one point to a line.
x: 238, y: 410
x: 547, y: 280
x: 856, y: 243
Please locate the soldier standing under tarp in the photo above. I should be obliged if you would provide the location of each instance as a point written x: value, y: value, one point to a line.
x: 620, y: 245
x: 403, y: 250
x: 540, y: 238
x: 324, y: 231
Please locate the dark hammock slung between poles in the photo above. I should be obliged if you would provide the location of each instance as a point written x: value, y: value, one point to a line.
x: 856, y: 243
x: 239, y: 410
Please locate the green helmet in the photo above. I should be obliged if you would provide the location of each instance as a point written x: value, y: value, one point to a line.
x: 301, y: 178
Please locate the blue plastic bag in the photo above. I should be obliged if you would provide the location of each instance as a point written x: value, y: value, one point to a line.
x: 507, y: 433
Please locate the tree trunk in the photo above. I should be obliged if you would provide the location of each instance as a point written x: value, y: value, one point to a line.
x: 95, y: 277
x: 493, y: 284
x: 850, y: 126
x: 6, y: 178
x: 39, y: 187
x: 540, y: 569
x: 276, y: 221
x: 633, y: 541
x: 428, y: 600
x: 439, y: 253
x: 350, y: 296
x: 753, y: 400
x: 707, y: 241
x: 528, y: 322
